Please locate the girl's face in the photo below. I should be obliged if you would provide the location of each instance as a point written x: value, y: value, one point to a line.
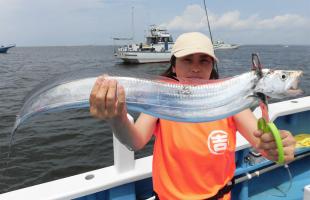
x: 196, y: 65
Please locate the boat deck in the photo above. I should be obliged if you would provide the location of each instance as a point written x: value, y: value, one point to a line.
x: 277, y: 184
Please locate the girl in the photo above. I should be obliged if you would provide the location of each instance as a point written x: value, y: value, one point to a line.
x: 190, y: 160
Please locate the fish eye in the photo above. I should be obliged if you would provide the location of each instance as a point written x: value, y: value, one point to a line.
x: 283, y: 77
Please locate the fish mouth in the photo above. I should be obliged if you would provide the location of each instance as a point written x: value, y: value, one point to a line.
x: 295, y: 92
x: 294, y: 87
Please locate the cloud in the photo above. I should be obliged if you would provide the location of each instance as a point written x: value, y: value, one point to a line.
x: 194, y: 19
x: 284, y: 21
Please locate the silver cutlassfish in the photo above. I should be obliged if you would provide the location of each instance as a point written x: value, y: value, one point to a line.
x: 167, y: 99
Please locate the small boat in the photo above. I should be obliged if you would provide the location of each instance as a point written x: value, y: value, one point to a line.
x: 156, y: 48
x: 256, y: 178
x: 222, y: 45
x: 4, y: 49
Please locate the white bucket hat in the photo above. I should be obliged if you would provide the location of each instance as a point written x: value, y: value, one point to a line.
x: 193, y: 42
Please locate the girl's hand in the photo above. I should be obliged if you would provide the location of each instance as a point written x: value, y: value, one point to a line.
x: 107, y: 100
x: 268, y: 147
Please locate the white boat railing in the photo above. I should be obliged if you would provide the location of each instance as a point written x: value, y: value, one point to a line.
x: 124, y: 159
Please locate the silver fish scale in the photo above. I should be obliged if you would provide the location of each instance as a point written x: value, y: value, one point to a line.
x: 177, y: 95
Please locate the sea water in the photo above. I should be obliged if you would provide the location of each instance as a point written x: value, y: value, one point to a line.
x: 55, y: 146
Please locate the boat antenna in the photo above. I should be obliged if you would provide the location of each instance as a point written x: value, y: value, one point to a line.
x: 204, y: 3
x: 132, y: 23
x: 132, y: 31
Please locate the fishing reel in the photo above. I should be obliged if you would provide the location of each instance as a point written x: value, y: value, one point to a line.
x: 254, y: 157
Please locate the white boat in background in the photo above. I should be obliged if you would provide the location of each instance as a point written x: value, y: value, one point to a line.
x: 256, y: 178
x: 4, y: 49
x: 222, y: 45
x: 156, y: 48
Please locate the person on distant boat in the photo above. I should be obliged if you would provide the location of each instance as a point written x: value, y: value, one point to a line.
x: 190, y: 160
x: 140, y: 46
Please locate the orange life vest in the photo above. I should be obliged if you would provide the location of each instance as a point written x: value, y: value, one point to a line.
x: 193, y: 160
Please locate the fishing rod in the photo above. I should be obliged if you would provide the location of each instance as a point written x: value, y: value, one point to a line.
x: 210, y: 33
x: 206, y: 11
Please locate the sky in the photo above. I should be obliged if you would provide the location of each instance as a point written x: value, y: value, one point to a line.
x: 96, y: 22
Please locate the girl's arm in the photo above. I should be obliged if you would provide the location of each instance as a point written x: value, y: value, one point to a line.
x: 107, y: 102
x: 134, y: 136
x: 246, y: 124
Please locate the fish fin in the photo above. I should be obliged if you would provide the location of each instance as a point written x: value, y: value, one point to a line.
x: 256, y: 65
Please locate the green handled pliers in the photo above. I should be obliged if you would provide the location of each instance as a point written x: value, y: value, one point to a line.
x: 264, y: 123
x: 266, y: 126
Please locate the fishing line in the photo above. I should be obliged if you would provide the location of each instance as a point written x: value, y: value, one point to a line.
x: 285, y: 191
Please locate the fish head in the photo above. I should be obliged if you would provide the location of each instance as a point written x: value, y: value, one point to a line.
x: 280, y: 83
